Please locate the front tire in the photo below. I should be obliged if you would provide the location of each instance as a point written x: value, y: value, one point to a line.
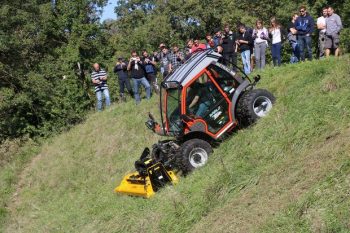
x: 194, y: 153
x: 253, y: 105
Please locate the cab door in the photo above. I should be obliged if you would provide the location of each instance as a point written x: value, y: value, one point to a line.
x: 207, y: 104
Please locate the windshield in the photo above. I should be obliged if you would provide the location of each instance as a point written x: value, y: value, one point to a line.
x: 173, y: 111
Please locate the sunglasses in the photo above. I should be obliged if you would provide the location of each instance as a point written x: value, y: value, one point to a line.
x: 301, y: 11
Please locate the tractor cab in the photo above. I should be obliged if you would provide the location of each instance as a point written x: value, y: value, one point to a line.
x: 197, y: 98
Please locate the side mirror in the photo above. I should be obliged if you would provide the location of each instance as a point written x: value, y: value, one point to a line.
x: 150, y: 116
x: 256, y: 79
x: 150, y: 123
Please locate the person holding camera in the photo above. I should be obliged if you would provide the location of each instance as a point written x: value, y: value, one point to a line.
x: 121, y: 69
x: 151, y: 71
x: 260, y: 37
x: 138, y: 76
x: 99, y: 80
x: 176, y: 58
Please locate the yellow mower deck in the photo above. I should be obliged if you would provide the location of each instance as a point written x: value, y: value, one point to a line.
x: 135, y: 185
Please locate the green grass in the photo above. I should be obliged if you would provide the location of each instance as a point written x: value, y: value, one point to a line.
x: 288, y: 173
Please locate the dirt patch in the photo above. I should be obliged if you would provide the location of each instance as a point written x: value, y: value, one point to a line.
x: 282, y: 185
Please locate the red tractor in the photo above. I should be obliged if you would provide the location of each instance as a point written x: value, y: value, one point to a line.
x: 201, y: 102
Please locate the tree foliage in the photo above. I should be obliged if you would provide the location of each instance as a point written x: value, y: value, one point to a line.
x: 40, y: 45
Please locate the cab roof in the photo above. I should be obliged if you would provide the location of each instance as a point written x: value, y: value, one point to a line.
x: 194, y: 65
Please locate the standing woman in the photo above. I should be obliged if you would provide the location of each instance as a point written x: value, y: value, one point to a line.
x: 260, y: 36
x: 276, y: 32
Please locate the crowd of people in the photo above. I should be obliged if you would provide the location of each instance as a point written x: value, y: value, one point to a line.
x: 250, y: 43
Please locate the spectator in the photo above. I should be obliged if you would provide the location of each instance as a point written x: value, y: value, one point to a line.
x: 195, y: 45
x: 164, y: 59
x: 292, y: 38
x: 243, y: 41
x: 210, y: 41
x: 229, y: 47
x: 260, y: 36
x: 304, y: 25
x: 333, y: 27
x: 252, y: 55
x: 138, y: 76
x: 176, y: 58
x: 150, y: 70
x: 99, y: 79
x: 217, y: 38
x: 321, y: 26
x: 121, y: 69
x: 276, y: 32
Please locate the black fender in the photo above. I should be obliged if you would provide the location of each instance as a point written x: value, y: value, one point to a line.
x: 241, y: 88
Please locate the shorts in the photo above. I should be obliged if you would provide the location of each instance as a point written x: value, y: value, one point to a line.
x: 332, y: 41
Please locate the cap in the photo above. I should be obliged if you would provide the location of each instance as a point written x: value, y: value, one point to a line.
x: 162, y: 45
x: 120, y: 58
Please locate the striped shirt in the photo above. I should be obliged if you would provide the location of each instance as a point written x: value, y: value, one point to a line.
x: 96, y: 75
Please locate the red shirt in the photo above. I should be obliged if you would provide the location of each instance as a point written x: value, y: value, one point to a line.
x: 198, y: 48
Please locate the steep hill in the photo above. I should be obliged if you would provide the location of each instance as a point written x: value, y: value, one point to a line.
x: 288, y: 173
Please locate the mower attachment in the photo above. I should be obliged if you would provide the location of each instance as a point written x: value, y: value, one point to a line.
x: 148, y: 179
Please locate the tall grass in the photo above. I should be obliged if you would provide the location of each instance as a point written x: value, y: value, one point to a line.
x: 288, y: 173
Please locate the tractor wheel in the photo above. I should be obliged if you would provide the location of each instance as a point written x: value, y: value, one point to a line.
x: 253, y: 105
x: 194, y: 153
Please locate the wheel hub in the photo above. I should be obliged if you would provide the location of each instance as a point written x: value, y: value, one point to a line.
x: 198, y: 157
x: 262, y: 105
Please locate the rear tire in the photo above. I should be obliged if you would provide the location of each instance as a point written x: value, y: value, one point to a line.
x: 194, y: 153
x: 253, y: 105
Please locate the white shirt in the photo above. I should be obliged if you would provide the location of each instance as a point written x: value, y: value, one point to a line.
x: 260, y: 33
x: 276, y: 36
x: 321, y: 20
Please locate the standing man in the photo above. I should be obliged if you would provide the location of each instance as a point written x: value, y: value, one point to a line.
x: 138, y: 76
x: 217, y: 38
x: 150, y: 69
x: 99, y: 79
x: 121, y: 69
x: 176, y: 58
x: 229, y: 47
x: 243, y: 41
x: 164, y: 59
x: 333, y: 27
x: 321, y: 26
x: 304, y: 25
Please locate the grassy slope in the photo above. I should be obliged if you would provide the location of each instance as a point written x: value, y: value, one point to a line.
x: 288, y: 173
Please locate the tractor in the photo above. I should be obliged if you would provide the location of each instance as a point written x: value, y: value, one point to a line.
x: 201, y: 103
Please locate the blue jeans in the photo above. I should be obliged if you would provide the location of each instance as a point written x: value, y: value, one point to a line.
x: 246, y: 61
x: 99, y: 93
x: 305, y: 42
x: 141, y: 81
x: 295, y: 53
x: 203, y: 107
x: 276, y: 54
